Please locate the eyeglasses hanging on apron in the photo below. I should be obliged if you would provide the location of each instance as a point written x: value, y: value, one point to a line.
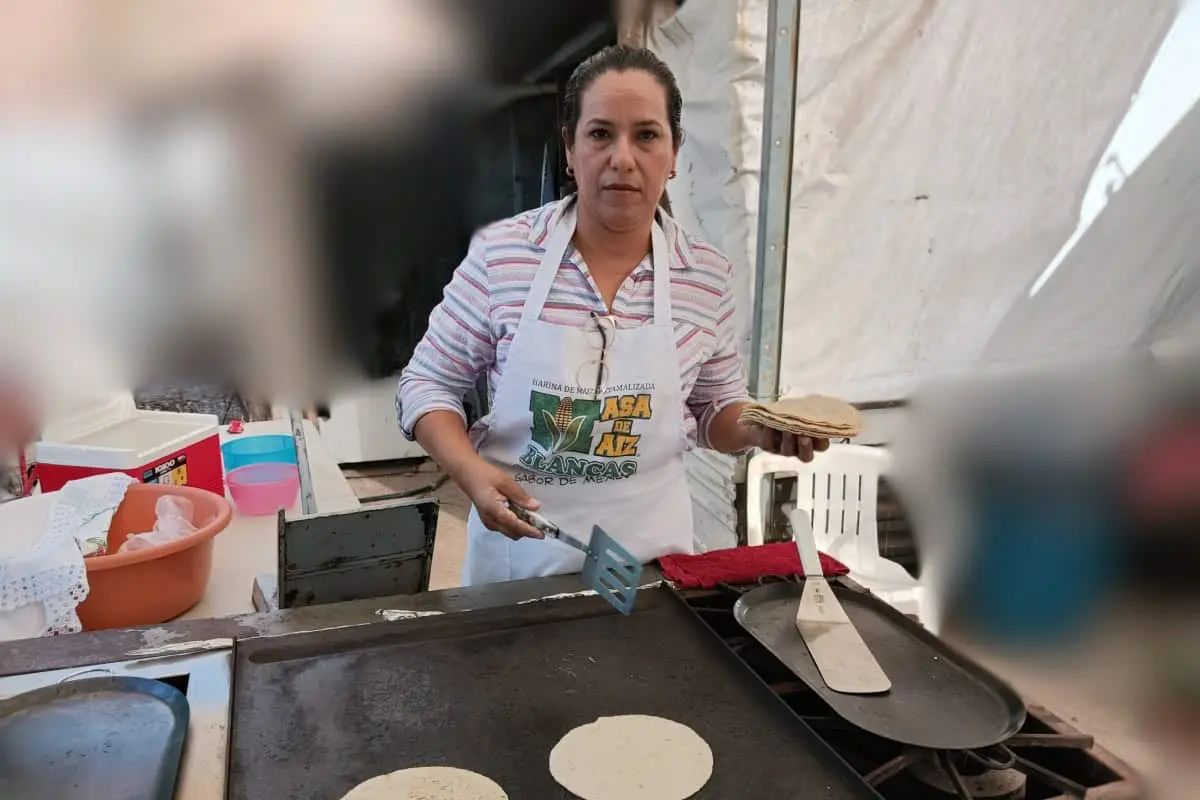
x: 601, y: 329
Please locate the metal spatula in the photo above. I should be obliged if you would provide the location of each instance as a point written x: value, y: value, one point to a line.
x: 843, y: 658
x: 609, y: 569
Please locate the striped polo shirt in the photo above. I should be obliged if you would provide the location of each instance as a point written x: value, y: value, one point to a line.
x: 471, y: 330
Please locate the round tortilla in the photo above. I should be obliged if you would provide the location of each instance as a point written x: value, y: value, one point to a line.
x: 632, y: 757
x: 428, y: 783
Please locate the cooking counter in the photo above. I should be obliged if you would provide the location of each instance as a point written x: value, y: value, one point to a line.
x: 177, y: 646
x: 196, y: 652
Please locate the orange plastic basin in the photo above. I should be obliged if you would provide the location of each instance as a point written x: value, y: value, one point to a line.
x: 146, y: 587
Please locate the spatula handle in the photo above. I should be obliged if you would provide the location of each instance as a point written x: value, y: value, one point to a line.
x: 546, y: 527
x: 806, y: 543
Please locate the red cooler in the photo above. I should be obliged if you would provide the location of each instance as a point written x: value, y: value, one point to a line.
x: 150, y: 446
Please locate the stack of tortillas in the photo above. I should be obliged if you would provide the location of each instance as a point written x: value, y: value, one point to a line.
x: 814, y: 415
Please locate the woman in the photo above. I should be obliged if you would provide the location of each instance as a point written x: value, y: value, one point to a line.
x: 609, y: 341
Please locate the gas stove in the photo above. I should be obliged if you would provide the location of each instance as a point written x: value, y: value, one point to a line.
x: 1047, y: 760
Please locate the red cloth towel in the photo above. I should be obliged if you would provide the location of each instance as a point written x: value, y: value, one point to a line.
x: 740, y: 565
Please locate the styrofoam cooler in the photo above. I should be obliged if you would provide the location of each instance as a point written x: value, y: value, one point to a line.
x: 149, y: 446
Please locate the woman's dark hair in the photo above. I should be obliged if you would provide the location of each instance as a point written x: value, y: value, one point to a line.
x: 622, y: 58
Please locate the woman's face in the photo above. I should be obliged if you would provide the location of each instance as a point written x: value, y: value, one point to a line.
x: 622, y: 153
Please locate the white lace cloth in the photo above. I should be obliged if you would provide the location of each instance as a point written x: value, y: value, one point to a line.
x: 42, y: 542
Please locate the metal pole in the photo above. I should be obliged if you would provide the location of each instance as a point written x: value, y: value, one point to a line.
x: 774, y: 210
x: 774, y: 197
x: 308, y: 501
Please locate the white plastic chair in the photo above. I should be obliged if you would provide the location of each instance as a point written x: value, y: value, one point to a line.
x: 839, y: 491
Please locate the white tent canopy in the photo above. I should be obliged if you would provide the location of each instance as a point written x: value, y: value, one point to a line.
x: 1132, y: 280
x: 1129, y: 280
x: 942, y: 151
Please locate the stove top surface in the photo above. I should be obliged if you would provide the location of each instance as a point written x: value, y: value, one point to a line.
x: 1046, y: 760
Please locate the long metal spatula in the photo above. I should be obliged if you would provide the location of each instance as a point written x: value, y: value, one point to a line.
x: 843, y: 658
x: 609, y: 569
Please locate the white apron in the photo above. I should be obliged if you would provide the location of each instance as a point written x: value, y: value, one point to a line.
x: 613, y: 460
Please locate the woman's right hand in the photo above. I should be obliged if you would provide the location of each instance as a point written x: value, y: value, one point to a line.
x: 491, y: 489
x: 444, y: 436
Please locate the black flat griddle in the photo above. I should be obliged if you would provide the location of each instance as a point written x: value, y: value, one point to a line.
x: 494, y: 690
x: 112, y: 737
x: 939, y: 699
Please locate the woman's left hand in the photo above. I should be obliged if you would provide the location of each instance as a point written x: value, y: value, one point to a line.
x: 788, y: 444
x: 728, y: 434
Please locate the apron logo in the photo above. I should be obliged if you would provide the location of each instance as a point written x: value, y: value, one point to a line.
x: 566, y: 441
x: 563, y: 424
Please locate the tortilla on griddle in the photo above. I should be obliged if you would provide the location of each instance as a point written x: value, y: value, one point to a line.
x: 428, y: 783
x: 632, y: 757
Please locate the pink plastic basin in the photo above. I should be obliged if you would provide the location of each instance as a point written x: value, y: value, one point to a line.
x: 261, y: 489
